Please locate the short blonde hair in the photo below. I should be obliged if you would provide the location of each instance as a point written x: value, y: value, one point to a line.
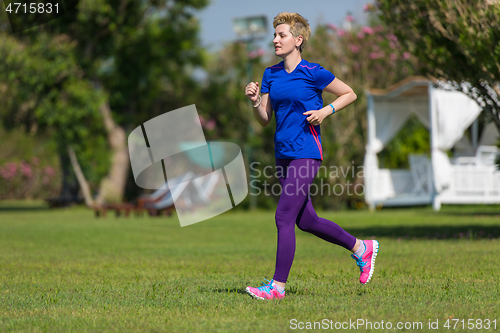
x: 298, y: 26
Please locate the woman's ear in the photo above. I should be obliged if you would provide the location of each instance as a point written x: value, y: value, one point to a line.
x: 298, y: 41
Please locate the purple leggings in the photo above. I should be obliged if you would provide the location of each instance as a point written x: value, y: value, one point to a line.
x: 295, y: 207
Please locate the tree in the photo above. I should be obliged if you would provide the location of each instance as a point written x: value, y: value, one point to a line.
x: 46, y: 93
x: 135, y: 55
x: 454, y: 40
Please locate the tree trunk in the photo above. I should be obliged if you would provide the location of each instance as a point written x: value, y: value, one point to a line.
x: 112, y: 187
x: 84, y: 185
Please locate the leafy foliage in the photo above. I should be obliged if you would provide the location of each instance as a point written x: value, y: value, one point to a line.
x: 135, y: 55
x: 454, y: 40
x: 47, y: 94
x: 412, y: 138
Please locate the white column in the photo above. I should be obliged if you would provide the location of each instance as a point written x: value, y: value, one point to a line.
x: 370, y: 162
x: 436, y: 204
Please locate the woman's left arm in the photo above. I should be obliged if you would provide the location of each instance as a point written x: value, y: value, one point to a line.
x: 346, y: 97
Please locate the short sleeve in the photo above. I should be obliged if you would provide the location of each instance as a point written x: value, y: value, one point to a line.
x: 322, y: 78
x: 265, y: 83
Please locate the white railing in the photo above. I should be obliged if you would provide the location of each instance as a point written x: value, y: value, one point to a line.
x: 474, y: 179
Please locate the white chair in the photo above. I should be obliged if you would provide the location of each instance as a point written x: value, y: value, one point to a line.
x: 176, y: 188
x: 485, y: 155
x: 205, y: 186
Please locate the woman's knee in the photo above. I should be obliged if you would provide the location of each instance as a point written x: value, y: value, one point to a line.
x: 306, y: 219
x: 304, y: 224
x: 284, y: 219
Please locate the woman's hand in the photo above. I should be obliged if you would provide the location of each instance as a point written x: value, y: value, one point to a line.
x: 316, y: 116
x: 252, y: 92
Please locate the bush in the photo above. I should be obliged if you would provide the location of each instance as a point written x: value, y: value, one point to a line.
x: 25, y: 180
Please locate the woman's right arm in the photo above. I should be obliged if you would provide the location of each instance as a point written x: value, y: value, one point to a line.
x: 262, y: 110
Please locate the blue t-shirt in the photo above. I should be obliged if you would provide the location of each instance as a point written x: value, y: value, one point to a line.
x: 291, y: 95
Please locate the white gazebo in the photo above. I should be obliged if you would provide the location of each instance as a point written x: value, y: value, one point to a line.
x: 470, y: 177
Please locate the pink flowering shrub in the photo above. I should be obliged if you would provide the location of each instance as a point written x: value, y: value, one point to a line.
x: 332, y: 26
x: 367, y: 30
x: 256, y: 53
x: 24, y: 180
x: 369, y: 52
x: 207, y: 124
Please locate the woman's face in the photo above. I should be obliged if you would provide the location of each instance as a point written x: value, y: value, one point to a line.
x: 284, y: 42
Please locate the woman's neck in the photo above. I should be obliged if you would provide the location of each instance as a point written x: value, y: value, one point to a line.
x: 291, y: 61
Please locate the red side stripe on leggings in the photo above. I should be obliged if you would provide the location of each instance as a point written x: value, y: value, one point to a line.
x: 315, y: 136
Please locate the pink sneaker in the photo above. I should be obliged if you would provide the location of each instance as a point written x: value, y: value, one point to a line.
x: 267, y: 291
x: 366, y: 263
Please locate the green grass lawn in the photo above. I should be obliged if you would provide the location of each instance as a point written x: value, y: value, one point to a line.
x: 67, y: 271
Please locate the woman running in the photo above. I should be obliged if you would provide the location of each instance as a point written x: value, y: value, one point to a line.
x: 293, y: 89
